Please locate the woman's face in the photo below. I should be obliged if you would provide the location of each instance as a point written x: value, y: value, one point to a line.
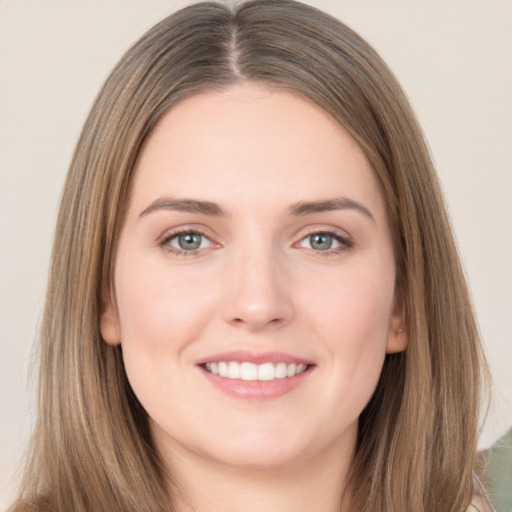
x: 254, y: 281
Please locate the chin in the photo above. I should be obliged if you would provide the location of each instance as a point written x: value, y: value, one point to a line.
x: 259, y: 456
x: 241, y: 448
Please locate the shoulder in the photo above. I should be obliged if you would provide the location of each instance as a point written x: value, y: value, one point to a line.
x: 480, y: 501
x: 498, y: 471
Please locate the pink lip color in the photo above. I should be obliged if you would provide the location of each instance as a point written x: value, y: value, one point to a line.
x: 241, y: 356
x: 255, y: 389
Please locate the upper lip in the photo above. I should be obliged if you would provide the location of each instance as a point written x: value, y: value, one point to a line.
x: 245, y: 356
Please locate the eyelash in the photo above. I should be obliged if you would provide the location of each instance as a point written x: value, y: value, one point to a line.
x: 165, y: 243
x: 346, y: 243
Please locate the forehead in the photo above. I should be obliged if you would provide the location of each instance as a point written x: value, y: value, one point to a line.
x: 247, y: 142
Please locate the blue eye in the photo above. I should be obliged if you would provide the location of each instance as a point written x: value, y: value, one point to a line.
x: 187, y: 241
x: 321, y: 241
x: 325, y: 241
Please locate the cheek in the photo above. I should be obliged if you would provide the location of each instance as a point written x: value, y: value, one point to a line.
x: 160, y: 309
x: 161, y: 314
x: 354, y: 304
x: 351, y: 318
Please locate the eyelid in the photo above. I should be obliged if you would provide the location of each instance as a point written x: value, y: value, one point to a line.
x: 164, y: 240
x: 345, y: 239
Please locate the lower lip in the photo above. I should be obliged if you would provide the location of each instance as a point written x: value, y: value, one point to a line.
x: 256, y: 389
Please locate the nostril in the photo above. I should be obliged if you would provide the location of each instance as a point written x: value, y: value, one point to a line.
x: 257, y: 323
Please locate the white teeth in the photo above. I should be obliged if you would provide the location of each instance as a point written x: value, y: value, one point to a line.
x: 223, y: 369
x: 266, y: 371
x: 281, y: 370
x: 233, y: 370
x: 248, y: 371
x: 251, y: 371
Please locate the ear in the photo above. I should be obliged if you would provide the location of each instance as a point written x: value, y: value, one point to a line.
x: 398, y: 336
x: 109, y: 321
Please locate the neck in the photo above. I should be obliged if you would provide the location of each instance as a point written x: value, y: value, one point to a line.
x: 203, y: 485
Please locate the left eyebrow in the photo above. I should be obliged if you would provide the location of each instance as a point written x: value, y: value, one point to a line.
x: 337, y: 203
x: 184, y: 205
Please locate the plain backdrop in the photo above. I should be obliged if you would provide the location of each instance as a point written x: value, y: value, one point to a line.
x: 453, y: 58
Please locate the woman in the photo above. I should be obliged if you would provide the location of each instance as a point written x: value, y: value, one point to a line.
x: 255, y: 299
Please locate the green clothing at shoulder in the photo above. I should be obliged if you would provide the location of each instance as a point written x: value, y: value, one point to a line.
x: 499, y: 473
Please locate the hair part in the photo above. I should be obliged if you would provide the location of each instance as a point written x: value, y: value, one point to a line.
x: 92, y: 448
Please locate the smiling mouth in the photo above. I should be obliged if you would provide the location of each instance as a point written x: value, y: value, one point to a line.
x: 255, y: 372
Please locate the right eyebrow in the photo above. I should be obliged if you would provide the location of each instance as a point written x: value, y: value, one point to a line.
x: 185, y: 205
x: 327, y: 205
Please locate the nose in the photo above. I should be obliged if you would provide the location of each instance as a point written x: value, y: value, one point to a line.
x: 258, y: 292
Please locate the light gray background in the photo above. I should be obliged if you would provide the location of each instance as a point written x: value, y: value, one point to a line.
x: 453, y: 57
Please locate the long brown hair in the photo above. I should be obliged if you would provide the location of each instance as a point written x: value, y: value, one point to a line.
x: 92, y: 449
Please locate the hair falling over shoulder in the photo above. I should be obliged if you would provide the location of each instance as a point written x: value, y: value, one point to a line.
x: 92, y: 449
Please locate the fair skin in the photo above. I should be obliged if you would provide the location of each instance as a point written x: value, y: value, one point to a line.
x: 270, y: 253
